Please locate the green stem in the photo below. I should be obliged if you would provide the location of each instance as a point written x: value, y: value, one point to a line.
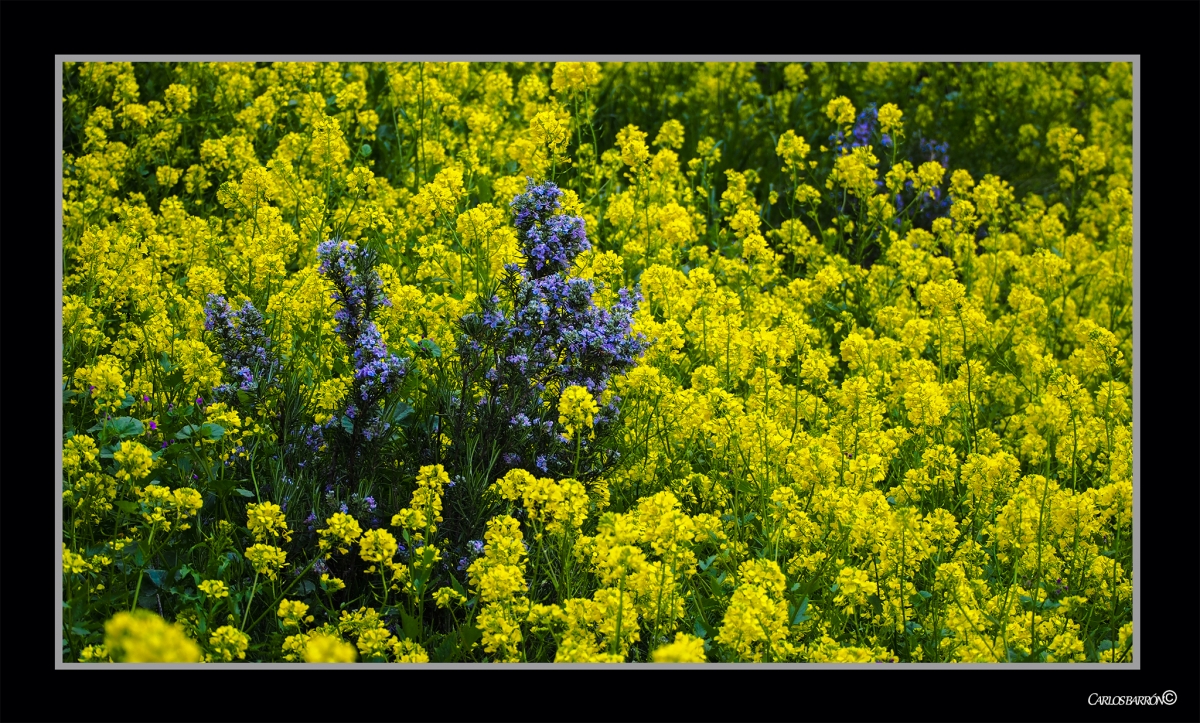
x: 138, y: 590
x: 253, y: 589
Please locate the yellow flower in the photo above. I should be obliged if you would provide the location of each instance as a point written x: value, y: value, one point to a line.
x: 685, y: 649
x: 328, y: 649
x: 840, y: 110
x: 792, y: 149
x: 670, y: 135
x: 576, y: 410
x: 378, y: 546
x: 889, y: 118
x: 632, y: 143
x: 343, y: 530
x: 406, y: 651
x: 293, y: 612
x: 447, y: 596
x: 135, y: 461
x: 227, y: 643
x: 214, y: 588
x: 266, y: 521
x: 266, y: 559
x: 143, y: 637
x: 575, y: 77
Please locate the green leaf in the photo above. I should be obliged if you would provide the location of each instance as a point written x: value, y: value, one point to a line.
x: 186, y: 432
x: 80, y: 631
x: 801, y: 612
x: 412, y: 629
x: 211, y: 432
x: 366, y: 149
x: 469, y: 635
x: 165, y: 362
x: 699, y: 629
x: 222, y: 486
x: 402, y: 412
x: 125, y: 427
x: 174, y: 379
x: 156, y: 576
x: 243, y: 492
x: 126, y: 506
x: 306, y: 587
x: 347, y: 425
x: 444, y: 652
x: 918, y: 598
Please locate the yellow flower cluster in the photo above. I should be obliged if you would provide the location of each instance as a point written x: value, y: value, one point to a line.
x: 576, y: 409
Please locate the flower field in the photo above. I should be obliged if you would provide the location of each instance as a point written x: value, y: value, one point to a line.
x: 580, y: 362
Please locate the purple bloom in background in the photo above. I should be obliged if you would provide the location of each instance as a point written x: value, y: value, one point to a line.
x: 549, y: 335
x: 370, y: 503
x: 244, y: 345
x: 864, y: 125
x: 153, y: 426
x: 932, y: 150
x: 377, y: 373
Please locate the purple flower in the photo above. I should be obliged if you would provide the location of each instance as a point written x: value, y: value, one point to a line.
x: 359, y: 291
x: 153, y: 426
x: 370, y: 503
x: 549, y: 335
x: 864, y: 126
